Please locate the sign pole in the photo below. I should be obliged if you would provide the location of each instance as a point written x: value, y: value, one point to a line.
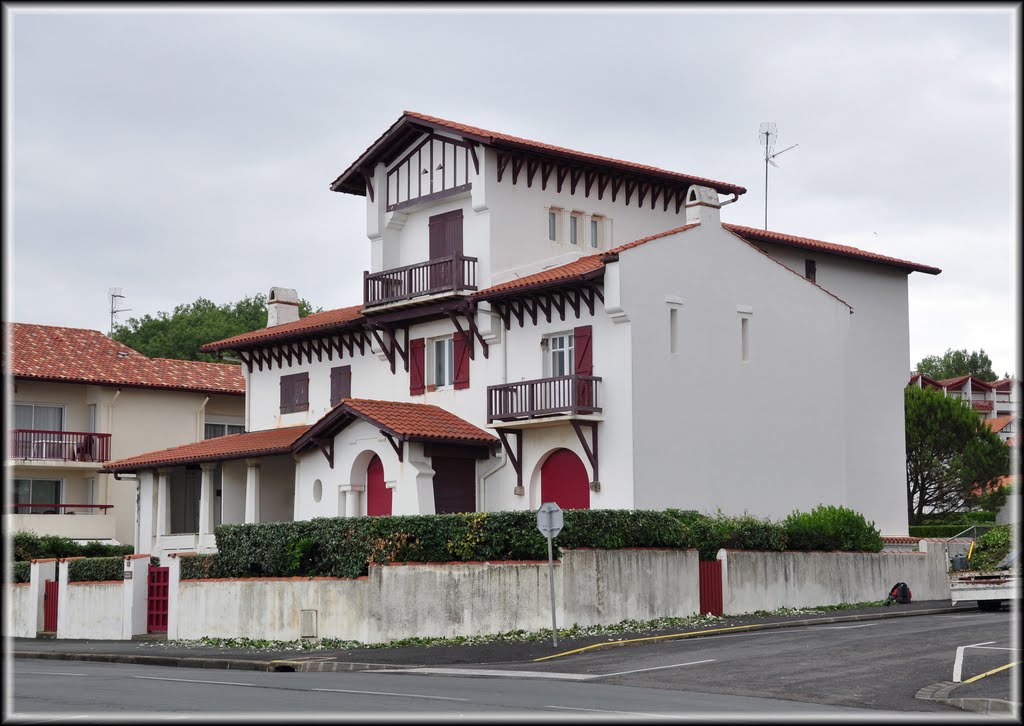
x: 551, y: 582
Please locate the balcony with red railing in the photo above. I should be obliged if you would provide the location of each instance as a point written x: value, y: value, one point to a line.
x: 83, y: 446
x: 575, y: 395
x: 982, y: 405
x: 434, y: 277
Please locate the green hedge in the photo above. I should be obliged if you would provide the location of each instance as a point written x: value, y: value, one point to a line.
x: 965, y: 518
x: 710, y: 533
x: 991, y: 548
x: 96, y: 569
x: 944, y: 531
x: 19, y: 572
x: 30, y: 546
x: 197, y: 567
x: 830, y: 528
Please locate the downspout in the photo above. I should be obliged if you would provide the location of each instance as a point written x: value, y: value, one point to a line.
x: 110, y: 430
x: 735, y: 198
x: 200, y: 431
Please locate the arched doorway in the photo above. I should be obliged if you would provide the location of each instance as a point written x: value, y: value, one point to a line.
x: 564, y: 481
x: 378, y: 496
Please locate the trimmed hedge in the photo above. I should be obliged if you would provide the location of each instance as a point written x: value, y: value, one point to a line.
x: 31, y: 546
x: 830, y: 528
x: 944, y: 531
x: 19, y: 572
x: 198, y: 567
x: 96, y: 569
x: 965, y: 518
x: 708, y: 534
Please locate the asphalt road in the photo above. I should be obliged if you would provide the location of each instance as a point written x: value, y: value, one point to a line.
x: 862, y: 669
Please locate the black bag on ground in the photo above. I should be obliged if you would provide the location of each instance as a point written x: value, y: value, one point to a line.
x: 900, y: 594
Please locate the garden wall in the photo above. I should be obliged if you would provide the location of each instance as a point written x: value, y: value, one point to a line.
x: 21, y: 613
x: 92, y: 610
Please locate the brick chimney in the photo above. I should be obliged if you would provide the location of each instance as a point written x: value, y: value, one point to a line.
x: 702, y: 206
x: 282, y: 306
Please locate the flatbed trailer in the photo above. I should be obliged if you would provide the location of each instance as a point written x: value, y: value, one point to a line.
x: 989, y: 588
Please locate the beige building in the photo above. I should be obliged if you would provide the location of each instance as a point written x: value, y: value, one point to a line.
x: 80, y: 398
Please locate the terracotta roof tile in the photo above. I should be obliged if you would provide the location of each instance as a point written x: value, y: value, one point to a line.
x: 322, y: 322
x: 999, y: 423
x: 418, y: 420
x: 76, y: 355
x: 761, y: 235
x: 960, y: 380
x: 222, y: 448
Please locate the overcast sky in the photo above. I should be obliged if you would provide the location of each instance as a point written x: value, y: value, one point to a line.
x: 180, y: 154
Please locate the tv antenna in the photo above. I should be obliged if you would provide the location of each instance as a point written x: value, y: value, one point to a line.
x: 767, y: 136
x: 115, y: 294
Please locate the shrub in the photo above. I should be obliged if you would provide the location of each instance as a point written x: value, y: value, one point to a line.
x: 19, y: 572
x: 831, y: 528
x: 198, y: 567
x: 964, y: 518
x: 96, y: 569
x: 30, y: 546
x: 945, y: 531
x: 991, y: 547
x: 708, y: 534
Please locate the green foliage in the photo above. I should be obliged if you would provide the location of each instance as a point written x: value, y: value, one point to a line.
x: 829, y: 528
x: 953, y: 457
x: 96, y: 569
x: 941, y: 531
x: 955, y: 363
x: 179, y: 334
x: 198, y: 567
x: 964, y: 518
x: 710, y: 533
x: 19, y: 572
x: 991, y: 547
x: 31, y: 546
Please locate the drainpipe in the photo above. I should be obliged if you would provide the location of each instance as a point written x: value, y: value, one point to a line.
x: 110, y: 430
x: 735, y: 198
x: 200, y: 431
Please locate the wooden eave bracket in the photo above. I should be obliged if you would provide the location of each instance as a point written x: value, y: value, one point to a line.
x: 326, y: 446
x: 474, y: 331
x: 392, y: 346
x: 396, y: 443
x: 589, y: 449
x: 516, y: 457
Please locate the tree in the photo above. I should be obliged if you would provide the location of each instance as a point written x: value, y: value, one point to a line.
x: 953, y: 458
x: 180, y: 334
x: 955, y: 363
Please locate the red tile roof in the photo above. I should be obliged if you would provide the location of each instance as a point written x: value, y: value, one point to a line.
x: 999, y: 423
x: 496, y: 138
x: 760, y: 235
x: 323, y: 323
x: 222, y: 448
x: 960, y: 380
x: 76, y: 355
x: 418, y: 420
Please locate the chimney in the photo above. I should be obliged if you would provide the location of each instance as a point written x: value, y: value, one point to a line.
x: 702, y: 205
x: 282, y: 306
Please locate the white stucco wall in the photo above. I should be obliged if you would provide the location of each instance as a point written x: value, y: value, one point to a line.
x: 21, y: 611
x: 711, y: 430
x: 92, y: 610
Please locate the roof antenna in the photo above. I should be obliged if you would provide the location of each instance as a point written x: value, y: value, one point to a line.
x: 114, y: 294
x: 767, y: 136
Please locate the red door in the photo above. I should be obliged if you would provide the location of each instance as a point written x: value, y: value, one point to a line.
x: 378, y: 496
x: 564, y: 481
x: 710, y: 574
x: 156, y: 610
x: 50, y: 606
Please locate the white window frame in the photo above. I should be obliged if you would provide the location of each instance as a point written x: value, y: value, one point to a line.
x: 574, y: 227
x: 447, y: 344
x: 63, y: 414
x: 596, y: 232
x: 558, y: 345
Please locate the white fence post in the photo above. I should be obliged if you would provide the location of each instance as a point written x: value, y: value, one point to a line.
x: 173, y: 578
x: 136, y: 592
x: 40, y: 571
x: 62, y: 592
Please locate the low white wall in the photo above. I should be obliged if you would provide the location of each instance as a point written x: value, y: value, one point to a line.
x: 73, y: 526
x: 769, y: 580
x: 21, y: 613
x: 270, y: 608
x: 92, y: 610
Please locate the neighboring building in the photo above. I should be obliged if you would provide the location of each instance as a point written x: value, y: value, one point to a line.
x: 541, y: 324
x: 81, y: 398
x: 991, y: 399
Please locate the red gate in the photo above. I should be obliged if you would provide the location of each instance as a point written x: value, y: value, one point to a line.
x: 156, y: 610
x: 50, y: 606
x: 711, y: 588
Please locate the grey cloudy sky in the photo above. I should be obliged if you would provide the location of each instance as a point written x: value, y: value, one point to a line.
x: 180, y: 153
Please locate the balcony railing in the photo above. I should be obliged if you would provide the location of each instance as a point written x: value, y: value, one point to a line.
x: 982, y: 405
x: 59, y: 445
x: 55, y: 508
x: 447, y: 274
x: 573, y: 395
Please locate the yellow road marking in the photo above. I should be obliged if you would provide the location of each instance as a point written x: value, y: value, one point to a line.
x: 994, y: 670
x: 649, y: 638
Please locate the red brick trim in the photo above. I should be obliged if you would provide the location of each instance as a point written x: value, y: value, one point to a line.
x: 135, y: 557
x: 45, y: 559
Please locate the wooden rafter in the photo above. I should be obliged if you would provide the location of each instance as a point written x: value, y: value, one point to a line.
x: 589, y: 449
x: 326, y: 446
x: 574, y: 179
x: 514, y: 456
x: 517, y: 165
x: 531, y: 170
x: 396, y: 443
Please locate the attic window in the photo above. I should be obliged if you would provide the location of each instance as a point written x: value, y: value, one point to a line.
x: 810, y: 269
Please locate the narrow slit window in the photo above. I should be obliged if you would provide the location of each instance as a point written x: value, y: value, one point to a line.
x: 553, y: 226
x: 574, y: 228
x: 745, y: 339
x: 673, y: 329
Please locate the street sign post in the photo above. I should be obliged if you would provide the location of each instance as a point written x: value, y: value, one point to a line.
x: 549, y: 522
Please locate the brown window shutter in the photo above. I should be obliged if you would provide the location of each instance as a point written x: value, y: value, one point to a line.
x: 341, y: 384
x: 417, y: 349
x: 460, y: 351
x: 295, y: 393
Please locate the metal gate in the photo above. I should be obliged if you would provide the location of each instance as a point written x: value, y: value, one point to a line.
x: 711, y: 588
x: 156, y: 610
x: 50, y: 606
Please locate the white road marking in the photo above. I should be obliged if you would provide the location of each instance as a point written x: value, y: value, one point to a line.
x: 601, y: 710
x: 19, y: 672
x: 495, y: 673
x: 192, y: 680
x: 658, y: 668
x: 385, y: 693
x: 959, y: 662
x: 993, y: 647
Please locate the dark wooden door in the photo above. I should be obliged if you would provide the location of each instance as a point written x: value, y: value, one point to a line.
x: 454, y: 484
x: 50, y: 592
x: 156, y: 599
x: 445, y: 242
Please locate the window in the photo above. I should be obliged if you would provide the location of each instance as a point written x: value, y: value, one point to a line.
x: 213, y: 430
x: 673, y: 329
x: 810, y: 269
x: 295, y: 393
x: 574, y: 228
x: 341, y: 384
x: 444, y: 362
x: 552, y: 225
x: 559, y: 354
x: 37, y: 491
x: 745, y: 339
x: 38, y: 418
x: 597, y: 232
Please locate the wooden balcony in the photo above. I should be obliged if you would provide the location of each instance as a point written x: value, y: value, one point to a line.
x: 447, y: 274
x: 574, y: 395
x: 59, y: 445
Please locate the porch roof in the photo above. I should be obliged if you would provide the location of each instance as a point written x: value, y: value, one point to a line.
x: 222, y: 448
x: 404, y: 421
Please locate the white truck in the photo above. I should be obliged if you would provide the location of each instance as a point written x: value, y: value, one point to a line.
x: 990, y: 588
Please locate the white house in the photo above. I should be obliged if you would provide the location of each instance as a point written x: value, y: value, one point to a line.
x: 81, y: 398
x: 541, y: 324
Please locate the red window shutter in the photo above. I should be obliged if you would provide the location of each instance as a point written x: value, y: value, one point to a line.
x: 416, y: 361
x: 460, y: 351
x: 583, y: 360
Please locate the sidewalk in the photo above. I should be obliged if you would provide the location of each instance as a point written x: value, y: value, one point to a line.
x: 982, y: 696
